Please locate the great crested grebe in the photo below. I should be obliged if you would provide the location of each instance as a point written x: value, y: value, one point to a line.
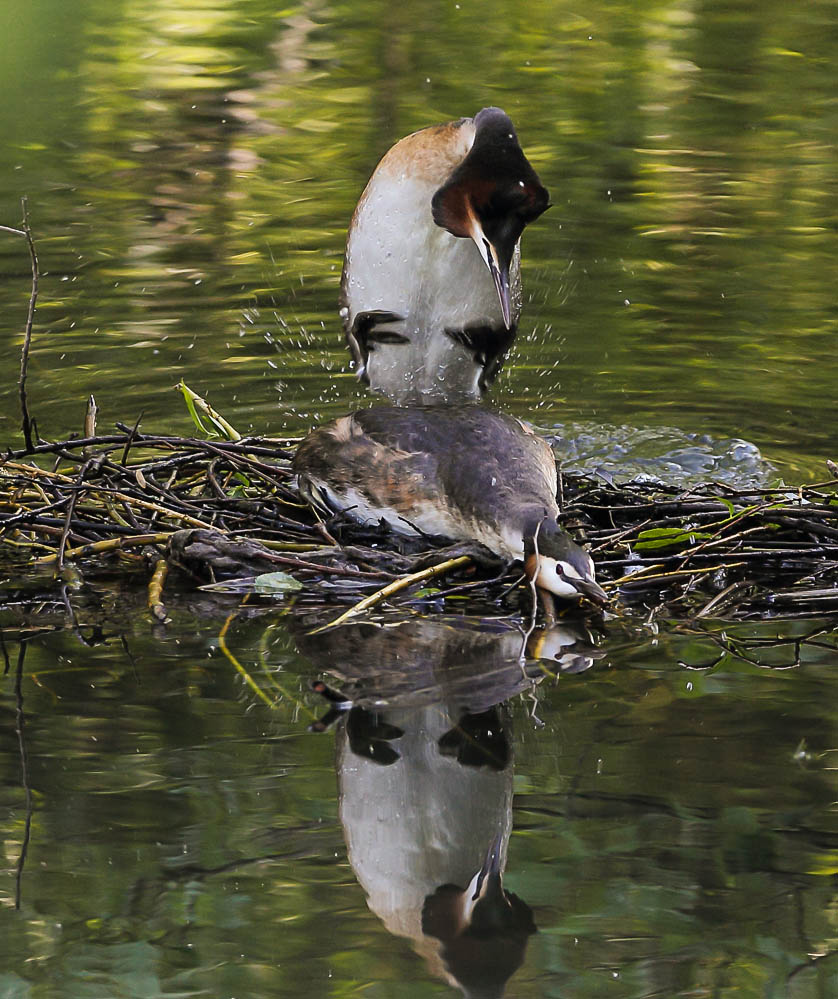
x: 461, y: 472
x: 431, y: 287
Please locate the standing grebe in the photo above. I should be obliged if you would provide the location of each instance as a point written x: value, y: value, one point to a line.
x: 461, y: 472
x: 431, y: 287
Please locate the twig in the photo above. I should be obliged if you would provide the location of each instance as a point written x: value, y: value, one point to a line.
x: 90, y: 415
x: 671, y: 575
x: 641, y: 574
x: 157, y: 507
x: 402, y: 583
x: 155, y: 591
x: 331, y: 570
x: 800, y: 595
x: 248, y: 679
x: 109, y: 545
x: 5, y: 652
x: 611, y: 538
x: 28, y: 515
x: 130, y: 441
x: 20, y: 722
x: 162, y: 441
x: 721, y: 598
x: 68, y: 519
x: 465, y: 587
x: 26, y: 421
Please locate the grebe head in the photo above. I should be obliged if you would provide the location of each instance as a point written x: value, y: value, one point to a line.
x: 491, y: 197
x: 483, y: 929
x: 556, y: 563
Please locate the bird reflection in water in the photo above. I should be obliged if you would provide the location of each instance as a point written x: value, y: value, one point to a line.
x: 424, y: 766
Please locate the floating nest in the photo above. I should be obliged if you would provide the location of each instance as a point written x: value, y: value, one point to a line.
x: 227, y: 515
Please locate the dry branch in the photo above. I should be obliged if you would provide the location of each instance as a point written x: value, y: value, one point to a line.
x: 26, y: 232
x: 219, y: 510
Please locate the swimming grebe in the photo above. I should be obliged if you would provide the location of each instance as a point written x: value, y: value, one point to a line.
x: 431, y: 288
x: 461, y: 472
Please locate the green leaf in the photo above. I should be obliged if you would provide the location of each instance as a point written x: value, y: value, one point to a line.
x: 668, y: 537
x: 726, y: 502
x: 194, y: 403
x: 276, y: 584
x: 268, y: 584
x: 189, y: 397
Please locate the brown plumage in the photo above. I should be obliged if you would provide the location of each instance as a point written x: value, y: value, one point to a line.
x: 460, y: 472
x: 431, y: 292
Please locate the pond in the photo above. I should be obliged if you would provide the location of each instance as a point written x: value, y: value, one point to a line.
x: 184, y: 814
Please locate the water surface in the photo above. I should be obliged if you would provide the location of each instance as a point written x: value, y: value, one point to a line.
x: 191, y: 173
x: 172, y: 825
x: 671, y: 830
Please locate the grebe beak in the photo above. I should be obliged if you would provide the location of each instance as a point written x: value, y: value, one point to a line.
x: 487, y: 886
x: 585, y: 585
x: 498, y: 268
x: 592, y: 590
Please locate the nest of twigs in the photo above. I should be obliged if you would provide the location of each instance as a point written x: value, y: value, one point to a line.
x: 227, y: 515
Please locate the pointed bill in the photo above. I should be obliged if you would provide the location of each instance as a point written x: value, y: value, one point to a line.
x: 592, y: 590
x: 498, y: 268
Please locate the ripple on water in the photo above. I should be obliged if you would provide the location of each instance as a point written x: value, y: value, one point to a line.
x: 659, y: 454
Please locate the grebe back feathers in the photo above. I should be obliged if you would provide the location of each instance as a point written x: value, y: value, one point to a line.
x: 460, y: 472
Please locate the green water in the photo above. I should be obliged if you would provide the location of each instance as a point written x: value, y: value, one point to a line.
x: 190, y: 170
x: 673, y: 832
